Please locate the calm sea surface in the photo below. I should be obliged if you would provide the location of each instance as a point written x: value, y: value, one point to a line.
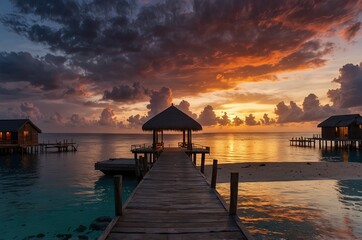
x: 53, y: 194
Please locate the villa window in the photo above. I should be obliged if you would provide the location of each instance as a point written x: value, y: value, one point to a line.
x: 8, y: 135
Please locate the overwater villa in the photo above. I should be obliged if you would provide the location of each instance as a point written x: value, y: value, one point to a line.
x: 22, y: 136
x: 339, y: 131
x: 342, y: 127
x: 18, y: 131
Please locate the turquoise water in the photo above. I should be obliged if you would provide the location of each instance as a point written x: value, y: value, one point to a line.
x: 54, y: 193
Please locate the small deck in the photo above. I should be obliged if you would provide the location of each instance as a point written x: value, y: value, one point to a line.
x: 174, y: 201
x: 116, y: 166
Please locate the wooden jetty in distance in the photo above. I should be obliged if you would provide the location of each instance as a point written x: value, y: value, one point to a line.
x: 302, y: 142
x: 61, y: 146
x: 174, y: 201
x: 324, y: 143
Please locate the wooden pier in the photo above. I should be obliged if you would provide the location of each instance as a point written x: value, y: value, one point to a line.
x: 61, y: 146
x: 326, y: 143
x: 174, y: 201
x: 302, y: 142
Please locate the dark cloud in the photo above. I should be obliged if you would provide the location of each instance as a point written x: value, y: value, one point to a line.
x: 108, y: 118
x: 208, y: 117
x: 350, y: 32
x: 15, y: 93
x: 291, y: 113
x: 224, y: 120
x: 250, y: 120
x: 57, y: 118
x: 135, y: 121
x: 237, y: 121
x: 349, y: 93
x: 185, y: 107
x: 77, y: 120
x: 125, y: 93
x: 266, y: 120
x: 46, y: 73
x: 311, y: 110
x: 180, y: 43
x: 25, y: 110
x: 159, y: 101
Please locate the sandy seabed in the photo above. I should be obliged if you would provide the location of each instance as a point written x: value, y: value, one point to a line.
x: 287, y: 171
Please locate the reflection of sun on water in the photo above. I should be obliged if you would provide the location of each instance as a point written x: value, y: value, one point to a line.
x: 293, y: 209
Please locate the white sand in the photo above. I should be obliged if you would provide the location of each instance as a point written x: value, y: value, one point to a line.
x: 287, y: 171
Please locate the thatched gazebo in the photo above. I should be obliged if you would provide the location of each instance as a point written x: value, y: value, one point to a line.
x: 172, y: 119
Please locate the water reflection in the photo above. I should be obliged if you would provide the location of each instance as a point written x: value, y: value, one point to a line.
x: 350, y: 194
x: 104, y: 187
x: 253, y: 147
x: 53, y: 193
x: 338, y: 155
x: 300, y: 209
x: 18, y: 172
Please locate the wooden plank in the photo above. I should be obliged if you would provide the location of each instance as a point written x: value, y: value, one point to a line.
x: 175, y: 230
x: 184, y: 236
x: 174, y: 201
x: 227, y: 224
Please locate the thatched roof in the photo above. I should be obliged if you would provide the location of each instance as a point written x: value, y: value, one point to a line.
x: 341, y: 120
x: 172, y: 119
x: 13, y: 125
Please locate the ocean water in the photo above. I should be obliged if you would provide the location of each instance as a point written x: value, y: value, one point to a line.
x: 53, y: 194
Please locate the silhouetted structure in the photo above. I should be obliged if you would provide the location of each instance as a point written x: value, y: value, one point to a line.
x: 342, y: 127
x: 171, y: 119
x: 18, y: 131
x: 339, y: 131
x: 175, y: 120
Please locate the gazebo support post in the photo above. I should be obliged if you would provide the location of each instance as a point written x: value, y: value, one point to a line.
x: 190, y: 135
x: 154, y: 140
x: 183, y: 138
x: 162, y: 138
x: 189, y: 143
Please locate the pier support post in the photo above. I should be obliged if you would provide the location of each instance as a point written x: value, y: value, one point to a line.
x: 144, y: 166
x: 194, y: 159
x: 214, y: 174
x: 118, y: 195
x: 234, y: 182
x: 202, y: 168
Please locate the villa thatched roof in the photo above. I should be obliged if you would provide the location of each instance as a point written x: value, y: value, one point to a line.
x: 171, y: 119
x: 341, y: 120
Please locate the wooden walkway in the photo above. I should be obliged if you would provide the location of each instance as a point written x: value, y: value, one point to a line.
x: 174, y: 201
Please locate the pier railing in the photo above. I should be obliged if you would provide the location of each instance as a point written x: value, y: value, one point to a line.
x: 138, y: 146
x: 57, y: 146
x: 324, y: 143
x: 193, y: 146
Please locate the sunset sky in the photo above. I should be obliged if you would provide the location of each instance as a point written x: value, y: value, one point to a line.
x: 108, y: 65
